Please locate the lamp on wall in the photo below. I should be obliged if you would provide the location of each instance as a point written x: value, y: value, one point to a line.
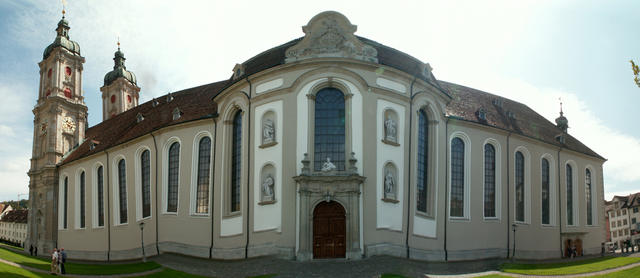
x: 144, y: 257
x: 514, y: 241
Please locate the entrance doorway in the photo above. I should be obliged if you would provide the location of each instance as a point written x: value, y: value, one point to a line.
x: 329, y: 231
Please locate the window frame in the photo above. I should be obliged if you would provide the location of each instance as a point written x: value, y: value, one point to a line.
x: 594, y: 197
x: 466, y: 215
x: 575, y: 195
x: 95, y: 197
x: 165, y: 174
x: 62, y: 199
x: 527, y: 185
x: 80, y: 204
x: 139, y: 183
x: 194, y: 173
x: 497, y: 179
x: 116, y: 191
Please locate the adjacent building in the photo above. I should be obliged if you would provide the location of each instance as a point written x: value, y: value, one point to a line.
x: 13, y: 227
x: 328, y: 146
x: 623, y: 214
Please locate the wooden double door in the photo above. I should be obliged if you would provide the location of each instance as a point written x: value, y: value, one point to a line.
x: 329, y: 231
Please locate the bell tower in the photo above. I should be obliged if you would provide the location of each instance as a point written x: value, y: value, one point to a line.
x: 120, y: 91
x: 60, y: 119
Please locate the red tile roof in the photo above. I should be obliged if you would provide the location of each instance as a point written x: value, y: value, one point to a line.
x: 16, y: 216
x: 196, y: 103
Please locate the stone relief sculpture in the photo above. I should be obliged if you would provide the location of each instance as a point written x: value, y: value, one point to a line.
x: 328, y: 166
x: 267, y: 188
x: 390, y: 132
x: 268, y: 132
x: 389, y: 185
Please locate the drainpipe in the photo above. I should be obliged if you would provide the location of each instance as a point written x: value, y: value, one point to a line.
x: 409, y: 183
x: 508, y: 195
x: 155, y: 146
x: 446, y: 188
x: 212, y: 192
x: 246, y: 247
x: 559, y: 206
x: 108, y: 209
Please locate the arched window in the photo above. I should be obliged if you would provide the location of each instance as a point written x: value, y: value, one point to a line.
x: 457, y: 178
x: 236, y: 161
x: 546, y: 193
x: 489, y: 181
x: 569, y: 174
x: 82, y: 201
x: 329, y: 126
x: 66, y: 202
x: 174, y: 171
x: 204, y: 162
x: 519, y: 187
x: 588, y: 190
x: 423, y: 159
x: 145, y: 167
x: 100, y: 180
x: 122, y: 190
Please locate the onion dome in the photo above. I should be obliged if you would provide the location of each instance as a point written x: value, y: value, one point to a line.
x: 119, y: 70
x: 562, y: 122
x: 62, y: 40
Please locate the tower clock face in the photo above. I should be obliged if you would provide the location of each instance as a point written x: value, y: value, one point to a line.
x: 68, y: 124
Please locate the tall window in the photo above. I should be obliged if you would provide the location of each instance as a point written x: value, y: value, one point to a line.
x: 546, y: 204
x: 423, y: 144
x: 204, y: 160
x: 457, y: 178
x: 66, y: 201
x: 122, y: 190
x: 100, y: 179
x: 174, y: 171
x: 519, y: 187
x: 569, y: 175
x: 489, y: 181
x: 588, y: 189
x: 329, y: 139
x: 82, y: 194
x: 236, y: 161
x: 145, y: 167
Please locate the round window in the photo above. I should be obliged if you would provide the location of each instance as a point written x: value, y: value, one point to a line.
x: 67, y: 70
x: 113, y: 98
x: 67, y: 92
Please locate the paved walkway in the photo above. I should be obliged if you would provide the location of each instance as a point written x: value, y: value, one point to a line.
x: 37, y: 270
x: 368, y: 267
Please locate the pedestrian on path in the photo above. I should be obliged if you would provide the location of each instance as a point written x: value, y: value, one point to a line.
x: 31, y: 250
x: 63, y: 260
x: 54, y: 262
x: 35, y: 251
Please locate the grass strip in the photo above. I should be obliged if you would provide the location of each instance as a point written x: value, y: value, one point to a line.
x: 77, y: 268
x: 572, y: 267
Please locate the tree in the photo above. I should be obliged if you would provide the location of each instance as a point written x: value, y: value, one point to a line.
x: 636, y: 72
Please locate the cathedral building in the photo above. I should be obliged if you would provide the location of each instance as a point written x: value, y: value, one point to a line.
x: 328, y: 146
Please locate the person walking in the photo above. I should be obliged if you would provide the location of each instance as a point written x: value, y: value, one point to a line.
x: 31, y: 250
x: 35, y: 251
x: 54, y: 262
x: 63, y: 260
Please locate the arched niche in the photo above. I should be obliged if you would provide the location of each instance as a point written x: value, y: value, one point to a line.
x: 390, y: 127
x: 268, y: 124
x: 267, y: 185
x: 390, y: 183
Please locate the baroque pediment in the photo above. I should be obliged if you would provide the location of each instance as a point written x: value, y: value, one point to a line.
x: 330, y: 34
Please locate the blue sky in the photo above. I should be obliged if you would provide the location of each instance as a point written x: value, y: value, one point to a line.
x: 529, y: 51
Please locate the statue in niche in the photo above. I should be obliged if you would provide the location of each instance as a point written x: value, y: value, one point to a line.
x: 389, y: 184
x: 328, y: 166
x: 268, y: 132
x: 267, y: 188
x: 390, y: 132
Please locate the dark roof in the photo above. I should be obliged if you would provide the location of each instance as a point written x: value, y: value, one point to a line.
x: 16, y: 216
x: 508, y: 115
x: 633, y: 200
x: 194, y: 104
x: 387, y: 56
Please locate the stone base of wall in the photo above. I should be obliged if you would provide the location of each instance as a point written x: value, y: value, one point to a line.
x: 114, y: 255
x: 426, y: 255
x: 271, y: 249
x: 385, y: 249
x: 477, y: 254
x: 184, y: 249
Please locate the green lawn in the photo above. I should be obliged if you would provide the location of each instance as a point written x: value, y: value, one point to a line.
x: 572, y: 267
x: 12, y: 271
x: 77, y: 268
